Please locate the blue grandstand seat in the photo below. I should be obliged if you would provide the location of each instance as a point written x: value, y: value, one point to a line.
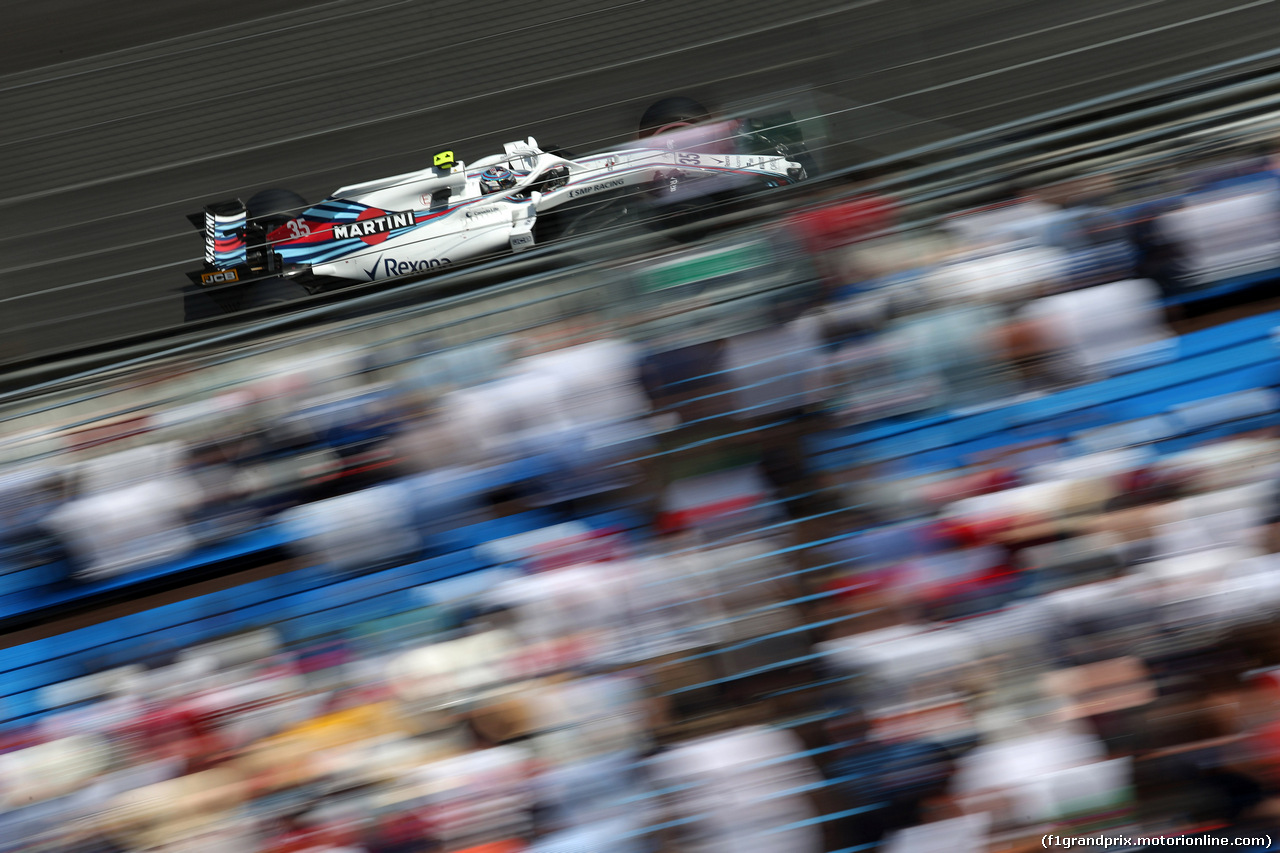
x: 1124, y: 434
x: 446, y: 500
x: 310, y: 602
x: 1227, y: 335
x: 1153, y: 391
x: 1223, y: 408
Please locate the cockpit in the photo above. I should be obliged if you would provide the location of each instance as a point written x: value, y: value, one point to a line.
x: 521, y: 170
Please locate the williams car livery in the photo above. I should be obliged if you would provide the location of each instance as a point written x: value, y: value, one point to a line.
x: 450, y: 212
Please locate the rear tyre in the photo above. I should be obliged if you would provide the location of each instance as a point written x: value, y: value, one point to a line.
x: 275, y: 206
x: 670, y: 114
x: 273, y: 292
x: 200, y: 303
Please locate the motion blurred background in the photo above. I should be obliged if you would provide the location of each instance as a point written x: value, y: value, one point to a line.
x: 930, y: 505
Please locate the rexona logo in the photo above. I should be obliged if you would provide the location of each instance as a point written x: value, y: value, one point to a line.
x: 373, y: 224
x: 607, y: 185
x: 392, y: 268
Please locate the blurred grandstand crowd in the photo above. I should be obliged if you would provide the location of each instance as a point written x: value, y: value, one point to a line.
x: 844, y: 580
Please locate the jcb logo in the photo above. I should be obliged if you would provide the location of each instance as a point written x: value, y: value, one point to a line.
x: 220, y: 277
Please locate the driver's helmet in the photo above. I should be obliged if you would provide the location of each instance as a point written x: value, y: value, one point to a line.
x: 495, y: 179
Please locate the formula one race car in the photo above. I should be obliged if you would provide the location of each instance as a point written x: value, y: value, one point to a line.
x: 277, y: 248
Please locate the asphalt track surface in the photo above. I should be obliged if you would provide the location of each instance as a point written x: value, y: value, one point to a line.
x: 118, y: 120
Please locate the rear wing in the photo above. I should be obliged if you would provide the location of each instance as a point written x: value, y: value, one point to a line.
x: 234, y: 247
x: 223, y: 225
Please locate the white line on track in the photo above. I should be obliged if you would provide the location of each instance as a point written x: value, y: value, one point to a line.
x: 365, y: 68
x: 302, y: 137
x: 185, y: 36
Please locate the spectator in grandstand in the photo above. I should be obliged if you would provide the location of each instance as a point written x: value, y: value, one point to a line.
x: 965, y: 348
x: 226, y: 505
x: 897, y: 781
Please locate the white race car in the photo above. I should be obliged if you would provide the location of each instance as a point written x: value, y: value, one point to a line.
x: 277, y: 248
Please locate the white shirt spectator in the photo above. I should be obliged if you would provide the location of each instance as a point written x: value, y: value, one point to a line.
x: 739, y: 789
x: 1093, y: 330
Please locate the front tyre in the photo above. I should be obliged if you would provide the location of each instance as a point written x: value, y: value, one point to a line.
x: 671, y: 114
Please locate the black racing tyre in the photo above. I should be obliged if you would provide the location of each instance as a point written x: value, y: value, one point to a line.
x: 671, y: 111
x: 205, y: 303
x: 806, y: 160
x: 611, y: 216
x: 680, y: 222
x: 602, y: 224
x: 272, y: 292
x: 275, y: 206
